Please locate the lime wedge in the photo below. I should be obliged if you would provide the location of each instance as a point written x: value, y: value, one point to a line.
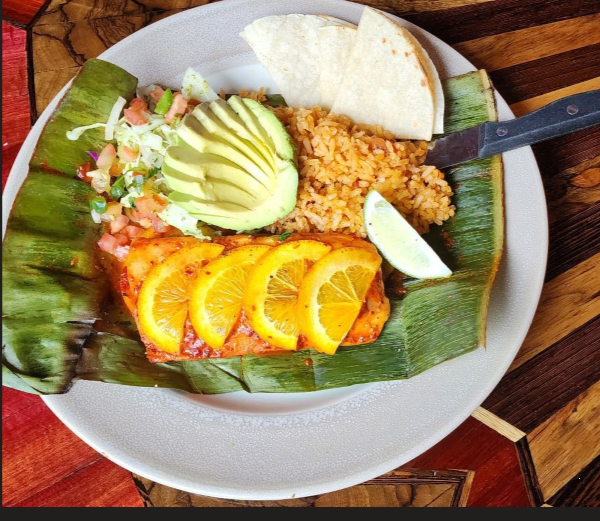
x: 399, y: 242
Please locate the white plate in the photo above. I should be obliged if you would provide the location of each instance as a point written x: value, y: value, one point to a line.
x: 275, y: 447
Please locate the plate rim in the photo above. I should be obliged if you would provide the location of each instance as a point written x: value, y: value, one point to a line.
x: 346, y: 481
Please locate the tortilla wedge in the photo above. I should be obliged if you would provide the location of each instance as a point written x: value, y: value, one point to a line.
x: 435, y: 83
x: 385, y: 82
x: 331, y: 59
x: 336, y: 42
x: 288, y: 47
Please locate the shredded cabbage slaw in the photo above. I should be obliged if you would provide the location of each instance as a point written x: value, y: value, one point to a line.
x: 132, y: 173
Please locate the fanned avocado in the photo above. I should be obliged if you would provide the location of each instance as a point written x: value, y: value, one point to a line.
x: 245, y: 130
x: 192, y: 132
x: 221, y: 178
x: 233, y: 217
x: 207, y: 191
x: 216, y: 127
x: 281, y: 139
x: 212, y: 177
x: 251, y: 121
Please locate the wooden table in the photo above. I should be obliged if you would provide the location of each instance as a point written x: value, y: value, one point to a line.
x: 536, y: 440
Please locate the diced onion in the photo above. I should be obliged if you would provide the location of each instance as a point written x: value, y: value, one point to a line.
x: 100, y: 180
x: 96, y: 217
x: 144, y: 92
x: 153, y: 160
x: 121, y: 252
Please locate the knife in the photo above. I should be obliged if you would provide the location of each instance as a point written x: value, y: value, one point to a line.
x: 560, y: 117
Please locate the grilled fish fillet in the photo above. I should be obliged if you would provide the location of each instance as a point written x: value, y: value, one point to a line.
x: 145, y: 254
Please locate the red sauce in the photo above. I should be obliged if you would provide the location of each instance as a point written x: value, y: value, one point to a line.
x: 83, y: 170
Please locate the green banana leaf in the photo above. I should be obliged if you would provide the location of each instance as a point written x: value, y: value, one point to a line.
x: 61, y: 323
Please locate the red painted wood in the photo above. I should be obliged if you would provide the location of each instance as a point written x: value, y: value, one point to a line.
x: 15, y: 97
x: 44, y: 464
x: 498, y: 481
x: 40, y: 457
x: 101, y: 484
x: 20, y: 12
x: 14, y: 402
x: 38, y: 450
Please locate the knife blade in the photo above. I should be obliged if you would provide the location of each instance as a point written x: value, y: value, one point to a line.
x: 560, y: 117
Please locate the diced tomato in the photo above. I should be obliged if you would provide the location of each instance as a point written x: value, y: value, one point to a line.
x: 191, y: 104
x: 158, y: 225
x: 127, y: 154
x: 134, y: 117
x: 149, y: 205
x: 117, y: 245
x: 177, y: 109
x: 147, y: 210
x: 122, y: 240
x: 108, y: 243
x: 156, y: 94
x: 107, y: 156
x: 138, y: 104
x: 121, y: 252
x: 133, y: 231
x: 120, y: 223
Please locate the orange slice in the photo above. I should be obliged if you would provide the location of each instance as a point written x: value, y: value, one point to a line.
x: 271, y: 293
x: 163, y: 301
x: 332, y: 295
x: 216, y: 294
x: 144, y: 255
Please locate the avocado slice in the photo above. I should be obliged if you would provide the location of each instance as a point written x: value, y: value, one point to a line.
x: 207, y: 207
x: 192, y: 132
x: 251, y: 121
x: 232, y: 121
x: 234, y: 167
x: 211, y: 176
x: 213, y: 190
x: 216, y: 127
x: 284, y: 146
x: 179, y: 182
x: 280, y: 203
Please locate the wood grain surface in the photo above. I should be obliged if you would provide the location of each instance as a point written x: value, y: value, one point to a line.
x: 583, y: 490
x: 567, y: 441
x: 401, y: 488
x: 536, y: 439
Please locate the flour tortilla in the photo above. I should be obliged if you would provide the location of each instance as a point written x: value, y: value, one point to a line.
x: 335, y: 42
x: 428, y: 65
x: 288, y: 47
x: 436, y: 86
x: 337, y: 20
x: 385, y: 82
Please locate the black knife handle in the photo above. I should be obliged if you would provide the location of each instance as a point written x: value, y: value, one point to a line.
x: 560, y: 117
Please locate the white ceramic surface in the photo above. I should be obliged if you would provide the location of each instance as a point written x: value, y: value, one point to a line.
x: 274, y: 447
